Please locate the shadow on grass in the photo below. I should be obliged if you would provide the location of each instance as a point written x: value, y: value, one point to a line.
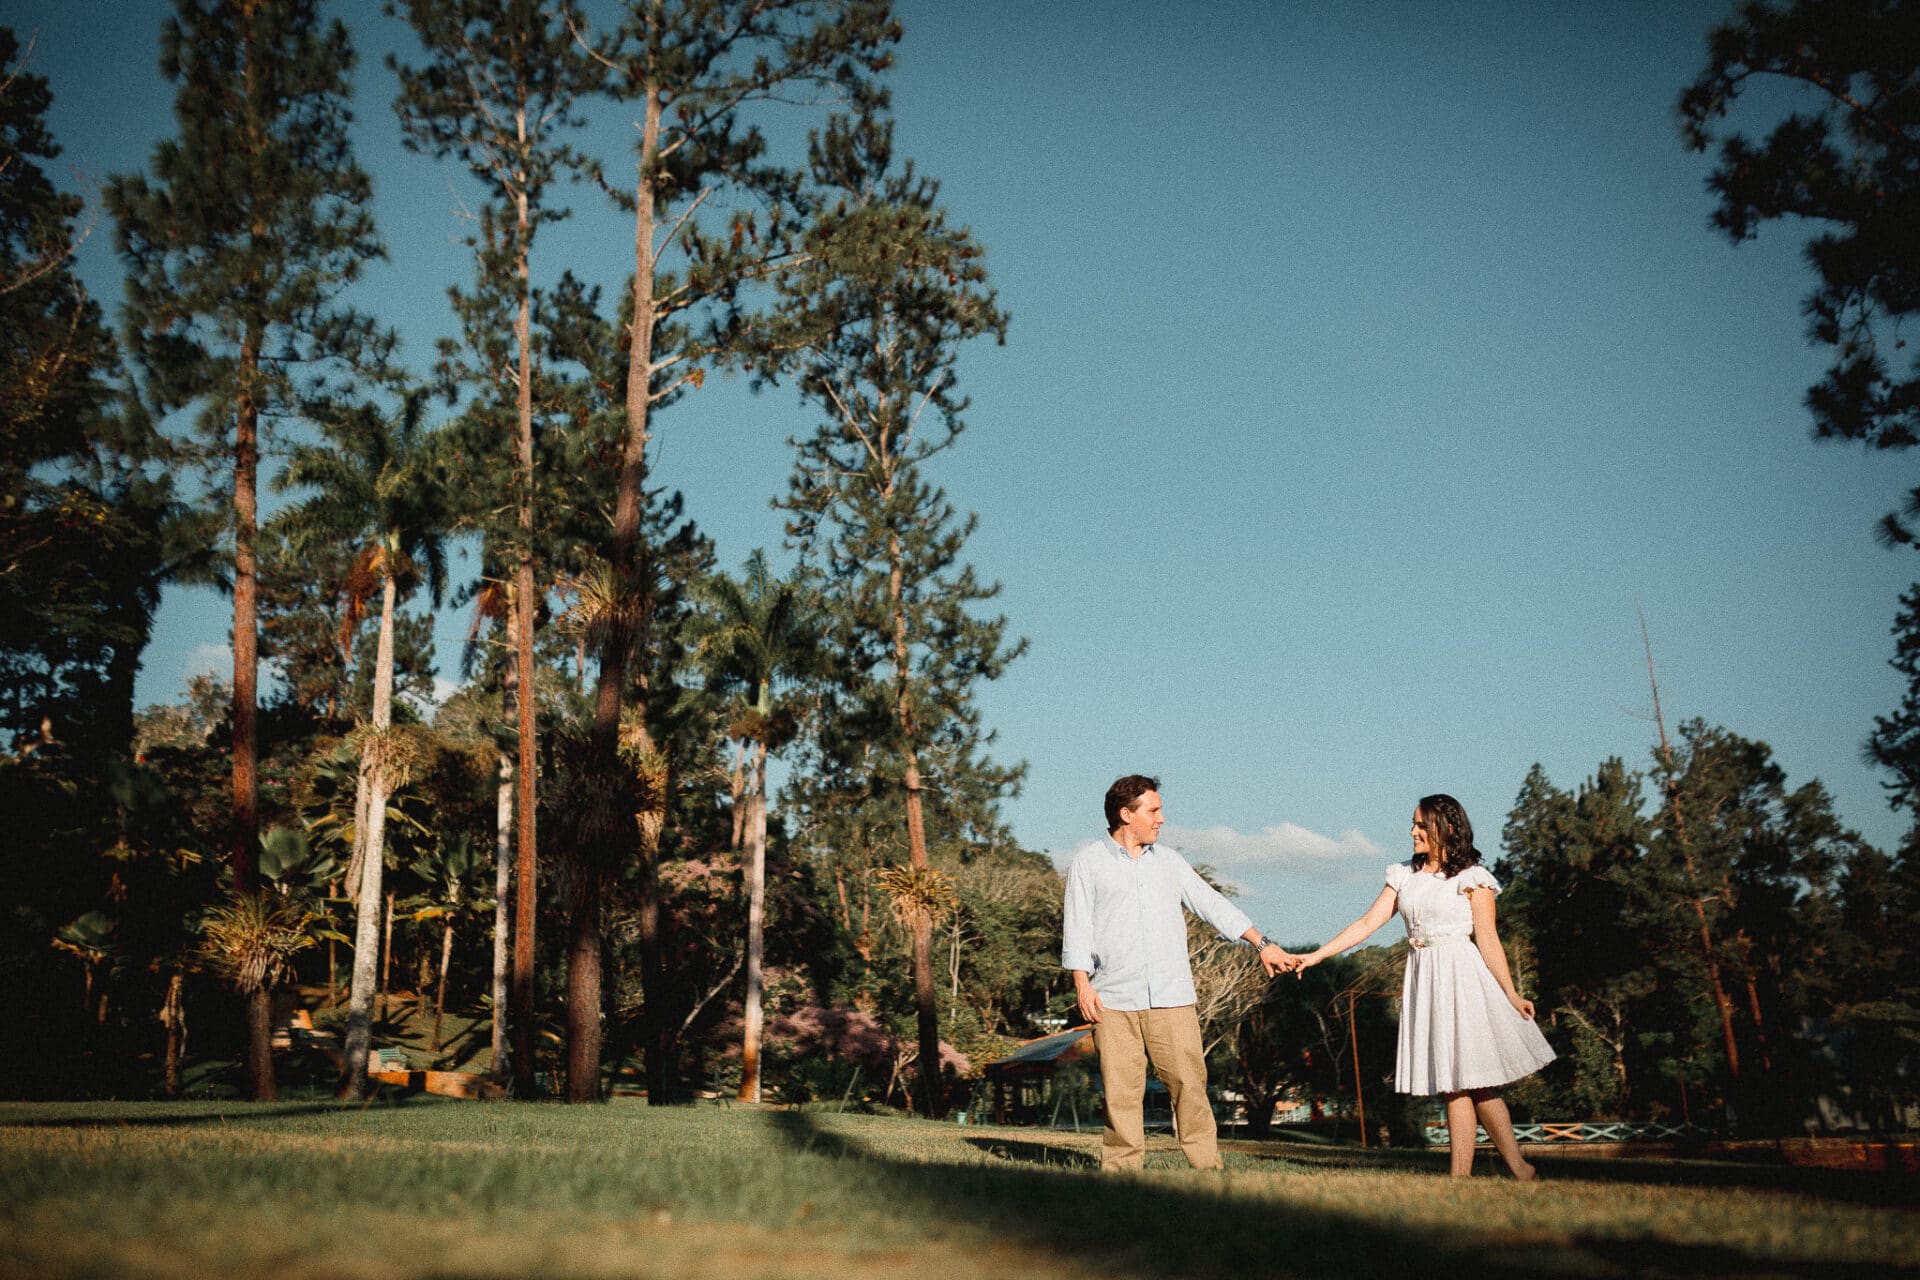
x: 1563, y: 1163
x: 1188, y: 1224
x: 1852, y: 1186
x: 1033, y: 1153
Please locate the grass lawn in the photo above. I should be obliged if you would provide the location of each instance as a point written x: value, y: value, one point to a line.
x: 433, y: 1188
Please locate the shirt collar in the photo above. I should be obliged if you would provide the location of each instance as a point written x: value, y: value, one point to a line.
x: 1117, y: 850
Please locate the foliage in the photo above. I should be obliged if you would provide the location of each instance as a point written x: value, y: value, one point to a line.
x: 1844, y: 159
x: 1576, y: 884
x: 918, y: 894
x: 251, y: 939
x: 85, y: 524
x: 1894, y: 744
x: 1689, y: 960
x: 254, y: 219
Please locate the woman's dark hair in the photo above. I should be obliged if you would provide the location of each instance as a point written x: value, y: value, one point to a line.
x: 1124, y: 792
x: 1449, y: 833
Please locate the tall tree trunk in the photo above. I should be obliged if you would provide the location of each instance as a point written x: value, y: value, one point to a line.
x: 502, y: 911
x: 260, y: 1045
x: 736, y: 790
x: 1745, y: 945
x: 583, y: 995
x: 245, y: 829
x: 524, y: 606
x: 374, y: 766
x: 366, y: 954
x: 756, y: 915
x: 660, y: 1035
x: 953, y: 966
x: 173, y: 1016
x: 362, y: 794
x: 386, y: 960
x: 925, y: 1004
x: 446, y: 962
x: 925, y: 1007
x: 333, y: 958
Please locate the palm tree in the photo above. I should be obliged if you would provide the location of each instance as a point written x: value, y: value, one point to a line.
x: 764, y: 630
x: 91, y: 938
x: 375, y: 485
x: 445, y: 869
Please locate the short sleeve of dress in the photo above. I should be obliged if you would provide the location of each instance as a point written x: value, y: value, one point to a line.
x: 1397, y: 876
x: 1475, y: 878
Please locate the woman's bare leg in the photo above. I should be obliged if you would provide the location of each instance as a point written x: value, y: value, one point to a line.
x: 1492, y: 1111
x: 1460, y: 1134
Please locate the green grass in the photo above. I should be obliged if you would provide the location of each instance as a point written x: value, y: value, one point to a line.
x: 430, y: 1188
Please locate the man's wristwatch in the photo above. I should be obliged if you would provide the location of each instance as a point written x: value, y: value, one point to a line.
x: 1261, y: 942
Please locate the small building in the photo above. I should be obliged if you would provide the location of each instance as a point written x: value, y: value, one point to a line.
x: 1023, y: 1081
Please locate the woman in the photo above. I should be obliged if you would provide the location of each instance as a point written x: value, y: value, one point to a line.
x: 1464, y: 1030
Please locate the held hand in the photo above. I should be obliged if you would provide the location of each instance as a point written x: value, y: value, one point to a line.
x: 1089, y: 1003
x: 1303, y: 963
x: 1276, y: 960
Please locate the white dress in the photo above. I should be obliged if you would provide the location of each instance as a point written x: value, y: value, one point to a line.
x: 1457, y: 1028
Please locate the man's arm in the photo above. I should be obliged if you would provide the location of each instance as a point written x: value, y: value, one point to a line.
x: 1228, y: 920
x: 1076, y: 939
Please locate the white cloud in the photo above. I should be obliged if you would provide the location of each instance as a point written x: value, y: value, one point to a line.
x: 207, y: 660
x: 1287, y: 846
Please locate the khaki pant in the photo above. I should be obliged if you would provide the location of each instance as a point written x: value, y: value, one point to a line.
x: 1170, y: 1038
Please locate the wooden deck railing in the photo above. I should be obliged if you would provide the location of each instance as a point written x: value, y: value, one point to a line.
x: 1577, y: 1131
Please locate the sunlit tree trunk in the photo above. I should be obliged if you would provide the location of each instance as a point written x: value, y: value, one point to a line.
x: 756, y: 915
x: 925, y: 1005
x: 526, y: 864
x: 502, y: 911
x: 173, y: 1016
x: 374, y: 765
x: 446, y: 962
x: 246, y: 668
x: 610, y: 688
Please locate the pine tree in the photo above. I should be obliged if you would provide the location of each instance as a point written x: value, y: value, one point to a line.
x: 237, y: 249
x: 87, y: 521
x: 695, y: 70
x: 887, y: 295
x: 1575, y: 871
x: 1747, y: 870
x: 82, y: 547
x: 498, y: 92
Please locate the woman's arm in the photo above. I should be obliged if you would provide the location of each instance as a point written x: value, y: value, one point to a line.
x: 1487, y: 938
x: 1359, y: 931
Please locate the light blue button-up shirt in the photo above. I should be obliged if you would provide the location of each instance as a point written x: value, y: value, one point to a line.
x: 1125, y: 928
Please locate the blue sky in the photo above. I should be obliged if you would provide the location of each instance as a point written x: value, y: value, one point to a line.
x: 1370, y: 369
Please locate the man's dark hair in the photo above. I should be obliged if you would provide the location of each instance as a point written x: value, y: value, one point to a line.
x: 1124, y: 792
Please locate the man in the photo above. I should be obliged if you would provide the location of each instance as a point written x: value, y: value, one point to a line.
x: 1125, y: 940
